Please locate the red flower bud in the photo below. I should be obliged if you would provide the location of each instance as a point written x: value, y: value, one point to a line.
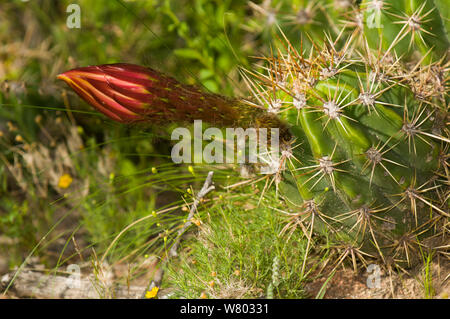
x: 131, y: 93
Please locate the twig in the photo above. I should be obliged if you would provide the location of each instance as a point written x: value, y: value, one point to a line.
x: 173, y: 252
x: 207, y: 187
x: 37, y: 284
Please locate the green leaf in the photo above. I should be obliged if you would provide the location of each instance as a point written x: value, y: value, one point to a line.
x: 188, y: 54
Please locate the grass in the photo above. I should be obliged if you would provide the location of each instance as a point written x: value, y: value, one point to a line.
x: 236, y: 251
x: 427, y: 277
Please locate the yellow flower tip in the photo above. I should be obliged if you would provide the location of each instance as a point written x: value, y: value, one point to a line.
x: 154, y: 170
x: 191, y: 169
x: 153, y: 213
x: 212, y: 283
x: 112, y: 176
x: 213, y: 274
x: 203, y: 296
x: 64, y: 181
x: 63, y: 77
x: 152, y: 293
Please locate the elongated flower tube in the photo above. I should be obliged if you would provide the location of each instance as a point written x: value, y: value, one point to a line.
x: 130, y: 93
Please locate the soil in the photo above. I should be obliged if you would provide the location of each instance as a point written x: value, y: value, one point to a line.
x: 345, y: 284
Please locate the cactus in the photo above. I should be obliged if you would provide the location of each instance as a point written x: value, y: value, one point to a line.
x: 364, y: 154
x: 368, y: 112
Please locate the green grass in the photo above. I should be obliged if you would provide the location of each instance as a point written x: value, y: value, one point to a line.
x: 427, y: 277
x: 237, y: 252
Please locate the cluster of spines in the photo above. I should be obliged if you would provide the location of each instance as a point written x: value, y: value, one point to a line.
x: 374, y: 83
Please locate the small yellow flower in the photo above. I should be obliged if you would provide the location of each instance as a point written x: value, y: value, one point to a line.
x: 19, y: 138
x: 191, y: 169
x: 154, y: 170
x: 38, y: 119
x: 237, y: 272
x: 203, y: 296
x: 212, y: 284
x: 154, y: 214
x: 64, y: 181
x: 213, y: 274
x: 196, y: 222
x: 11, y: 127
x: 152, y: 293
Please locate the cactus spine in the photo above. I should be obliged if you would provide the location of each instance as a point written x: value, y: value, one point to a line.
x: 368, y: 111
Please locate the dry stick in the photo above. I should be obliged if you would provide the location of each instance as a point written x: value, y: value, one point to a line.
x: 33, y: 283
x: 207, y: 187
